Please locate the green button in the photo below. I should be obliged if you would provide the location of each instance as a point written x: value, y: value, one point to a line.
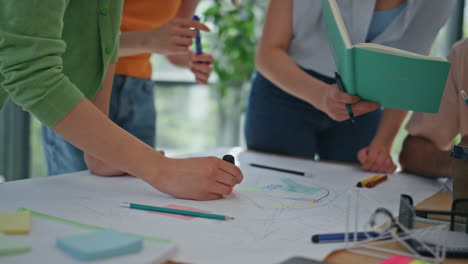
x: 108, y: 49
x: 104, y: 10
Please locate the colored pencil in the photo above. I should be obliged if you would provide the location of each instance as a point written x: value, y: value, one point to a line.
x: 374, y: 183
x: 174, y: 211
x: 278, y: 169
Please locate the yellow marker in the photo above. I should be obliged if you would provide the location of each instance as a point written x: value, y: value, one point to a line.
x: 15, y: 223
x: 364, y: 182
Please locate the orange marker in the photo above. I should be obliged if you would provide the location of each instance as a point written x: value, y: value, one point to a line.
x: 373, y: 183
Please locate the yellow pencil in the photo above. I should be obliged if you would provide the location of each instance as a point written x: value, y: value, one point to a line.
x: 364, y: 182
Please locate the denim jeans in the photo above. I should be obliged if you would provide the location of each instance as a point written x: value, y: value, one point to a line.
x: 131, y: 108
x: 278, y: 122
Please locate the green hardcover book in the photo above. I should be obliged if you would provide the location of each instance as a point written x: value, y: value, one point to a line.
x: 391, y: 77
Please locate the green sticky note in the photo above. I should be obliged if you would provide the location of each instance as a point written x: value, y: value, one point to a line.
x: 99, y: 245
x: 9, y: 245
x: 15, y: 223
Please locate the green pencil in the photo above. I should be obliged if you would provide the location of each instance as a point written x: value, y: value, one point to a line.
x: 174, y: 211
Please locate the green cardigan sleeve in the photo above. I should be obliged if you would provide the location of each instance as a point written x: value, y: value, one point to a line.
x: 31, y: 66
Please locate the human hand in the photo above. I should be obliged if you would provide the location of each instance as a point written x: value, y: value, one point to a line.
x: 205, y: 178
x: 174, y: 37
x: 201, y: 66
x: 376, y: 158
x: 100, y: 168
x: 333, y: 103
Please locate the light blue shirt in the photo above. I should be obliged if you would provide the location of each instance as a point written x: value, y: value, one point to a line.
x: 382, y: 19
x: 414, y: 29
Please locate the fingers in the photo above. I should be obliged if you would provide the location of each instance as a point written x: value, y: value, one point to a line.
x: 182, y: 41
x: 379, y: 162
x: 208, y: 196
x: 183, y: 32
x: 189, y: 23
x: 342, y: 97
x: 227, y: 179
x: 345, y: 98
x: 231, y: 170
x: 362, y: 155
x: 177, y: 50
x: 220, y: 189
x: 201, y: 71
x: 202, y: 67
x: 364, y: 107
x: 203, y: 58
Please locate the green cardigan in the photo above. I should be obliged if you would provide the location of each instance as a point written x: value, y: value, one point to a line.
x: 54, y: 52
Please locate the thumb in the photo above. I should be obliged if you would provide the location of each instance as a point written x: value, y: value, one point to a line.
x: 346, y: 98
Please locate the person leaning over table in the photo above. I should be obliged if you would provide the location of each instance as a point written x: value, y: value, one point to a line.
x: 426, y: 150
x: 58, y: 64
x: 295, y: 107
x: 147, y: 26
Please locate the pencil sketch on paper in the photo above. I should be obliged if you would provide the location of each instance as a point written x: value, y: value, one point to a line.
x: 284, y: 193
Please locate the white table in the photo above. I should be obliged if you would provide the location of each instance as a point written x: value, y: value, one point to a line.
x: 267, y: 229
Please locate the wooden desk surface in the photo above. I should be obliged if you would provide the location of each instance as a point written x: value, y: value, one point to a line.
x: 439, y: 201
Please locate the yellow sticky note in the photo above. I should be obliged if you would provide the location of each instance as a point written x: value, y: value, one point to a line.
x: 15, y: 223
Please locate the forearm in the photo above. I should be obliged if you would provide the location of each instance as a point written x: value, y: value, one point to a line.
x: 135, y: 42
x: 421, y: 156
x: 102, y: 99
x: 389, y: 126
x: 90, y: 130
x: 280, y: 69
x: 143, y: 41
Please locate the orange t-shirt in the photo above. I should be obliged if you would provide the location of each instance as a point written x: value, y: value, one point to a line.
x: 143, y: 15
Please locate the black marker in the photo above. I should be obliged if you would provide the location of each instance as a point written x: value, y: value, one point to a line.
x: 229, y: 158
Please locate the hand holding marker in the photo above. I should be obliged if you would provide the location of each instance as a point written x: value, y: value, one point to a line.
x: 201, y: 64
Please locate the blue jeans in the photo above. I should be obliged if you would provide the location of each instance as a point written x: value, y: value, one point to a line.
x: 278, y: 122
x: 131, y: 108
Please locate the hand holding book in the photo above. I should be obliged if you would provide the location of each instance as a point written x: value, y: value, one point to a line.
x: 394, y: 78
x: 333, y: 104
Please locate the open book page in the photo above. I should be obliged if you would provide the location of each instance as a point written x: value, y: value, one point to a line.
x: 394, y: 51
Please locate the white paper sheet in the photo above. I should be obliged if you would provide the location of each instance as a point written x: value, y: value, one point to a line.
x: 268, y: 227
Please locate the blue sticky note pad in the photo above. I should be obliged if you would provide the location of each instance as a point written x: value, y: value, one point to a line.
x: 100, y: 244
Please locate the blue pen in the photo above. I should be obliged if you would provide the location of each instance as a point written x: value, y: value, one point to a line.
x: 198, y: 45
x: 348, y: 107
x: 340, y: 237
